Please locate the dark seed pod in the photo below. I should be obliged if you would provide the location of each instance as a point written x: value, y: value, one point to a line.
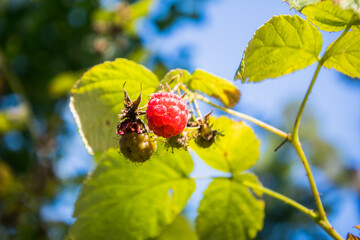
x: 137, y: 147
x: 205, y: 136
x: 177, y: 141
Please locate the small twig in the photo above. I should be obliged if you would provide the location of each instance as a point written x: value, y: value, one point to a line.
x: 198, y: 112
x: 282, y: 143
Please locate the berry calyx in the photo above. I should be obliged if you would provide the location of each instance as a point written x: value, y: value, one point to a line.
x: 135, y: 143
x: 177, y: 141
x: 167, y: 114
x: 137, y: 147
x: 205, y: 135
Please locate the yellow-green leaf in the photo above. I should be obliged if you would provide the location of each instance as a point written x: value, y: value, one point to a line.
x: 179, y: 229
x: 281, y: 46
x: 353, y: 5
x: 214, y: 86
x: 300, y: 4
x: 344, y: 55
x: 97, y: 99
x: 328, y: 16
x: 229, y: 210
x: 173, y: 77
x: 236, y: 151
x: 121, y: 200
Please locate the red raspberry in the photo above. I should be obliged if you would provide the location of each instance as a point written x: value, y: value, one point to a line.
x: 167, y: 114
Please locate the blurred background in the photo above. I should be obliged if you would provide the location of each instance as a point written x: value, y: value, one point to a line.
x: 45, y: 46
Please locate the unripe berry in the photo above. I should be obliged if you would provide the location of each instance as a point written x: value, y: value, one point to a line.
x: 178, y: 141
x: 137, y: 147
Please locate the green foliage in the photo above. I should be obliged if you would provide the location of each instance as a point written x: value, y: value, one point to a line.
x: 343, y: 55
x: 214, y: 86
x: 328, y: 16
x: 62, y: 83
x: 124, y: 201
x: 14, y: 118
x: 174, y: 77
x: 281, y: 46
x: 97, y: 99
x: 229, y: 210
x: 300, y: 4
x: 204, y: 82
x: 179, y: 229
x: 236, y: 151
x: 353, y: 5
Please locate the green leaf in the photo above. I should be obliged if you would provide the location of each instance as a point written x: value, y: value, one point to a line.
x: 229, y: 210
x: 344, y: 56
x: 281, y: 46
x: 97, y: 99
x: 300, y: 4
x: 236, y: 151
x: 173, y: 77
x: 353, y: 5
x: 121, y: 200
x: 179, y: 229
x: 214, y: 86
x: 328, y: 16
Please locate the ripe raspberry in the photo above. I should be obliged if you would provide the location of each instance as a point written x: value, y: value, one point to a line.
x: 137, y: 147
x: 167, y: 114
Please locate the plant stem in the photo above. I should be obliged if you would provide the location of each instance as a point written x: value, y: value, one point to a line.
x: 297, y: 145
x: 311, y: 213
x: 322, y: 219
x: 302, y: 107
x: 197, y: 109
x: 246, y: 117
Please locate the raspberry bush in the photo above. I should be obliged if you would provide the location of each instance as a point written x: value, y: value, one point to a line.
x: 154, y: 193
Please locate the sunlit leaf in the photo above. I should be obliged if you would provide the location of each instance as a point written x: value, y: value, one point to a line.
x: 300, y: 4
x: 229, y: 210
x: 173, y: 77
x: 236, y: 151
x: 179, y: 229
x: 357, y: 227
x: 121, y: 200
x: 97, y: 99
x: 344, y: 55
x: 353, y: 5
x: 328, y: 16
x: 281, y: 46
x: 214, y: 86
